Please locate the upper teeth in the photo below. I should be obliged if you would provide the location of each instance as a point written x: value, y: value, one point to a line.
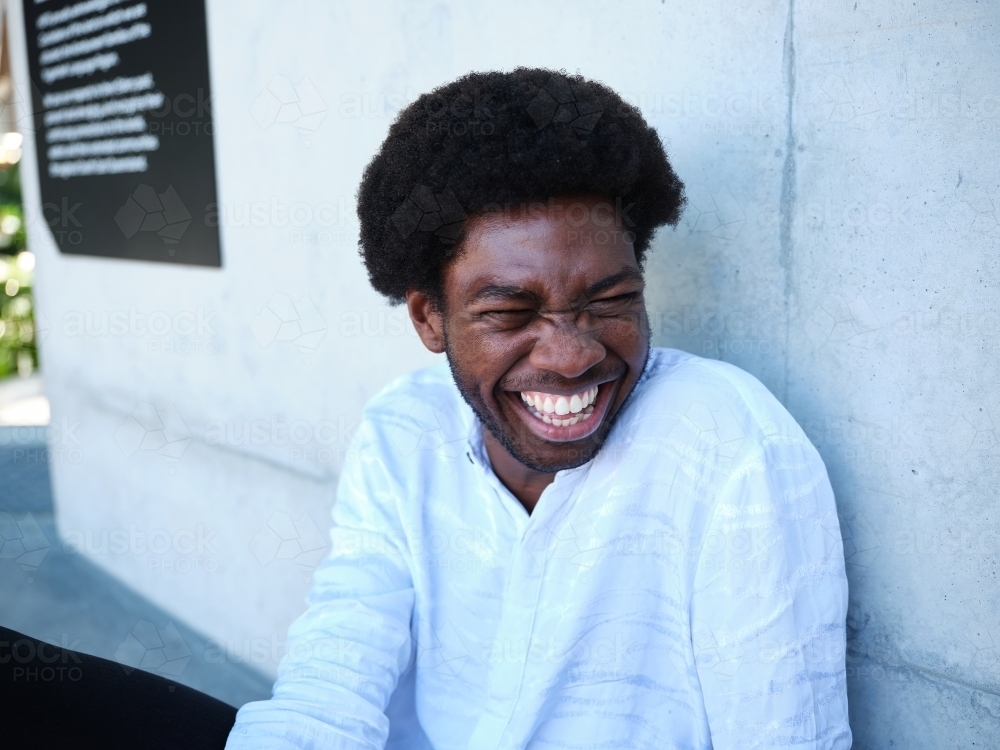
x: 560, y: 405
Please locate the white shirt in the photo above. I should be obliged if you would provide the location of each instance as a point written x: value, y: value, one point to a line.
x: 684, y: 589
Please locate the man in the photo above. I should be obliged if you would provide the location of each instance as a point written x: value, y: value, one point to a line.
x: 564, y: 538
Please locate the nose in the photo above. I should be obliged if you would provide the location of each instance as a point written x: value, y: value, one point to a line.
x: 566, y: 347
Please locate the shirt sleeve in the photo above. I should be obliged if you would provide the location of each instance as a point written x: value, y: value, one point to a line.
x: 769, y: 605
x: 345, y: 654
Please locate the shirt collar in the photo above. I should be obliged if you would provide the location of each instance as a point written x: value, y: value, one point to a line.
x: 476, y: 454
x: 565, y: 483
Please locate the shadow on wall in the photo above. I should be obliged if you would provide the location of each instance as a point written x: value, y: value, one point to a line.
x: 50, y: 593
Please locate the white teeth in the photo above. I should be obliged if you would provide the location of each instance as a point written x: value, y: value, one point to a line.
x: 562, y: 411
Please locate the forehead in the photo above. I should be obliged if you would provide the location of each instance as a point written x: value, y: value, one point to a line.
x: 558, y: 249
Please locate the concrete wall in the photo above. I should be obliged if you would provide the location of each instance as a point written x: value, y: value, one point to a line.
x: 911, y: 366
x: 840, y: 244
x: 871, y: 272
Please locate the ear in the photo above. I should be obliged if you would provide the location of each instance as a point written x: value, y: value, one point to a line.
x: 427, y: 319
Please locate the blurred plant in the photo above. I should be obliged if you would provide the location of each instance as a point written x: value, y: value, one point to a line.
x: 10, y: 184
x: 18, y: 351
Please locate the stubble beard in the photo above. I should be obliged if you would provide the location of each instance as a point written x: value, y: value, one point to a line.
x: 591, y: 445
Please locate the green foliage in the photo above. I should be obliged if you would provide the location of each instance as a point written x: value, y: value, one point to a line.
x: 10, y: 185
x: 18, y: 350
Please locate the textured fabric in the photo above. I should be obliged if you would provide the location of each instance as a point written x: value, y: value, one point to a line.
x: 684, y: 589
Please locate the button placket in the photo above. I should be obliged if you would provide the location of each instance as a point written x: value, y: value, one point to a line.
x: 519, y: 613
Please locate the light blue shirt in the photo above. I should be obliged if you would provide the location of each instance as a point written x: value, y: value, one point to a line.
x: 684, y: 589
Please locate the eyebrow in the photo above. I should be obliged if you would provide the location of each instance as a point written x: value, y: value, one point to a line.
x: 626, y: 274
x: 516, y: 293
x: 502, y: 292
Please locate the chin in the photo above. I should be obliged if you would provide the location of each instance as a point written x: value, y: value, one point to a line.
x: 550, y: 456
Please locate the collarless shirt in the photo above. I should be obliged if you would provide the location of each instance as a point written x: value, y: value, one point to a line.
x: 683, y: 589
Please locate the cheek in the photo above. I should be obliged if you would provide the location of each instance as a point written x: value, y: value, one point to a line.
x: 485, y: 357
x: 626, y: 334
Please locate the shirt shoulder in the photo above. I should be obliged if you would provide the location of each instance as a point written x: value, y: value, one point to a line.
x: 714, y: 395
x: 416, y: 413
x: 700, y: 426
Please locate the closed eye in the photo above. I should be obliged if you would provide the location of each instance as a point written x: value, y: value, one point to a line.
x: 612, y: 306
x: 509, y: 318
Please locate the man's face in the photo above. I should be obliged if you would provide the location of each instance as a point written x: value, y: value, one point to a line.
x: 545, y: 328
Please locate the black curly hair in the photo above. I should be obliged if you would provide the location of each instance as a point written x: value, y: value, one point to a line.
x: 496, y: 139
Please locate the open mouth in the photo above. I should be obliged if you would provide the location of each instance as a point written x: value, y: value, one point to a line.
x: 560, y: 410
x: 564, y: 417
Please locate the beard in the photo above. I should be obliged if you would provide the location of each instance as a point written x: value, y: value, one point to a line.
x: 504, y: 434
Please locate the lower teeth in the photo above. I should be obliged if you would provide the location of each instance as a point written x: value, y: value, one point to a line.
x: 559, y: 421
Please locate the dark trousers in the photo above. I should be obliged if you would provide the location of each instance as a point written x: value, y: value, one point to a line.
x: 56, y: 698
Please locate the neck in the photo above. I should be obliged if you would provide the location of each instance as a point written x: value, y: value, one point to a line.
x: 525, y: 484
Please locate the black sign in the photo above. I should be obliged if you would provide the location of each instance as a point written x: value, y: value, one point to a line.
x: 123, y: 128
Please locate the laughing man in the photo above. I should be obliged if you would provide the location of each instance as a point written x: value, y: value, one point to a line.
x: 564, y: 538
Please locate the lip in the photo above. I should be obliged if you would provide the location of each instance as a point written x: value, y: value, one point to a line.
x: 551, y: 433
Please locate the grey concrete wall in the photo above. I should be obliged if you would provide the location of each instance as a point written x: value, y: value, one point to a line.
x: 872, y: 275
x: 840, y: 244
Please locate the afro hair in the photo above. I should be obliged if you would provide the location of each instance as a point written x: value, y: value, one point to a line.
x: 504, y: 139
